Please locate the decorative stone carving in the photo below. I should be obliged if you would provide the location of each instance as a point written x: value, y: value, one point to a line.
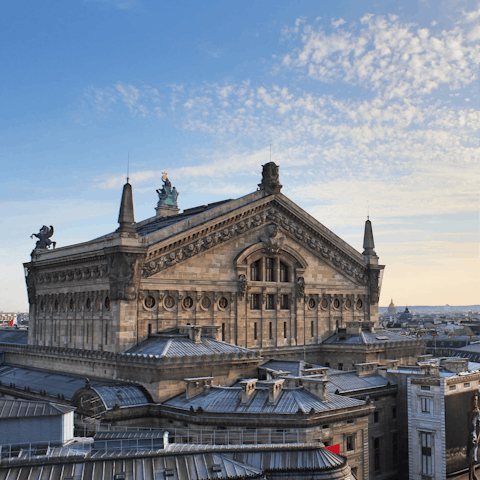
x: 273, y: 243
x: 374, y: 278
x: 123, y: 275
x: 300, y: 287
x: 242, y: 285
x: 270, y: 179
x: 43, y: 236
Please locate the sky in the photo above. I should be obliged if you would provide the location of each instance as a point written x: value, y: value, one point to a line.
x: 370, y: 108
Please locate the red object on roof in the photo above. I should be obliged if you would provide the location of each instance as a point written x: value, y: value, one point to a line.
x: 334, y: 448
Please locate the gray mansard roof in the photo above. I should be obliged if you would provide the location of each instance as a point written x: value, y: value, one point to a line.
x: 365, y: 337
x: 25, y: 408
x: 350, y: 382
x: 289, y: 401
x: 176, y: 345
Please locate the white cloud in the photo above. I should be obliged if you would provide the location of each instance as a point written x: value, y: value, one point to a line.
x: 387, y: 56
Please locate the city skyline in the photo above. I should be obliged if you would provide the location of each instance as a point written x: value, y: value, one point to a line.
x: 370, y: 108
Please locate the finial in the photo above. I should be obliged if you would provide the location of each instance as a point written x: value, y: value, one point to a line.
x: 126, y: 218
x: 368, y: 243
x: 128, y: 167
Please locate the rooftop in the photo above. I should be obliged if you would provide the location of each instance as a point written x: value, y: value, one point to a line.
x: 25, y: 408
x: 14, y: 335
x: 289, y: 401
x: 176, y: 345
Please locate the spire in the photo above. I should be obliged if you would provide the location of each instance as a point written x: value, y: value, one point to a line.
x: 368, y: 244
x: 125, y: 217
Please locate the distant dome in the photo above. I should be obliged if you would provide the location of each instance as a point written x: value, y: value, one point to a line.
x: 392, y: 309
x: 406, y: 315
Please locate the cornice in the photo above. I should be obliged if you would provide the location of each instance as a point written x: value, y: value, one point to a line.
x: 191, y: 243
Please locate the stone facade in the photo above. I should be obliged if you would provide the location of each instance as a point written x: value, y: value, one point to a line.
x: 263, y: 270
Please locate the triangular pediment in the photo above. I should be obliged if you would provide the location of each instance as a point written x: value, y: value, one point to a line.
x: 237, y: 218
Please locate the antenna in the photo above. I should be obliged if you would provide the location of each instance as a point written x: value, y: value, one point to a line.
x: 128, y: 167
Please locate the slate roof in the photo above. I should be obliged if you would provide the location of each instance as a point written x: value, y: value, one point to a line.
x: 26, y: 408
x: 289, y: 401
x: 123, y: 395
x: 181, y: 345
x: 350, y: 381
x: 295, y: 368
x: 158, y: 223
x: 14, y: 335
x: 67, y: 384
x: 201, y: 466
x: 366, y: 337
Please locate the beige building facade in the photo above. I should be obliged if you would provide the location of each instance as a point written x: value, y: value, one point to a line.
x: 261, y: 269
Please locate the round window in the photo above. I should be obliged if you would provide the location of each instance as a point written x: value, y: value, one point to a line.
x: 72, y: 304
x: 188, y: 302
x: 336, y: 303
x: 107, y: 303
x: 169, y: 302
x: 359, y: 304
x: 311, y: 303
x: 206, y: 302
x: 88, y: 304
x: 56, y: 305
x: 223, y: 303
x: 324, y: 303
x: 42, y: 305
x: 150, y: 301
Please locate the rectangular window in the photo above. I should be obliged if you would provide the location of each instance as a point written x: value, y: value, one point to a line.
x: 426, y: 402
x: 284, y: 302
x: 88, y: 333
x: 255, y: 302
x: 223, y: 332
x: 425, y: 387
x: 106, y: 333
x: 394, y: 413
x: 270, y: 302
x: 350, y: 443
x: 311, y: 329
x: 270, y: 330
x: 466, y: 385
x: 426, y: 440
x: 270, y: 269
x: 283, y: 272
x: 149, y: 328
x: 340, y: 366
x: 376, y: 455
x: 327, y: 364
x: 255, y: 333
x: 452, y: 387
x: 284, y: 329
x: 255, y: 271
x: 376, y: 418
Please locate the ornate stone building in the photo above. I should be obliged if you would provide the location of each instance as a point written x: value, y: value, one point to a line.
x: 260, y: 268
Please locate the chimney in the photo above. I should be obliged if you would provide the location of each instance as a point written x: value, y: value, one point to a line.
x: 248, y: 388
x: 274, y: 389
x: 194, y: 332
x: 455, y: 365
x: 365, y: 369
x: 316, y: 386
x: 429, y: 369
x: 196, y: 386
x: 126, y: 217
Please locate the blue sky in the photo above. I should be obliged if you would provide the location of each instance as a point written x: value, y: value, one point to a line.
x: 370, y: 107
